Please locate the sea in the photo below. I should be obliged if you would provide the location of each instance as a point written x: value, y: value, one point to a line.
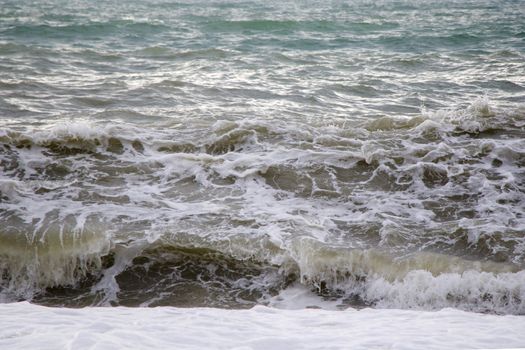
x: 264, y: 163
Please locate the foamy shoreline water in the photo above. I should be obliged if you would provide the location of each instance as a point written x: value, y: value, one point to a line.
x: 27, y: 326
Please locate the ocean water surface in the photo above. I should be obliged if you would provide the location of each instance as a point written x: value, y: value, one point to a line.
x: 291, y: 154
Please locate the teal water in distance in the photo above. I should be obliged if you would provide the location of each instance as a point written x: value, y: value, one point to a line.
x: 225, y: 153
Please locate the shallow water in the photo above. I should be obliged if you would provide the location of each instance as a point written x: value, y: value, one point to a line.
x: 226, y: 153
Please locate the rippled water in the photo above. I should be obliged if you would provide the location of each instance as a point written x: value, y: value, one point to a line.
x: 223, y: 153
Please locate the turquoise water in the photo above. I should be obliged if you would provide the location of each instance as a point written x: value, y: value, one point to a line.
x: 218, y: 153
x: 267, y: 58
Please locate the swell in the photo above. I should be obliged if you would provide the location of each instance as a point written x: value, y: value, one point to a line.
x: 84, y: 30
x: 165, y: 53
x: 283, y: 26
x: 477, y: 120
x: 73, y: 138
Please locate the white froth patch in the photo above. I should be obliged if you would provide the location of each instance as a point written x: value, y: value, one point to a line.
x: 30, y: 326
x: 471, y: 290
x: 475, y: 118
x: 83, y: 130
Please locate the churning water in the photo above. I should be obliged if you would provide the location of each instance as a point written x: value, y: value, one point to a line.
x: 222, y: 153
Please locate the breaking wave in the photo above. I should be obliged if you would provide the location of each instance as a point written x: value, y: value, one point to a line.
x: 422, y: 212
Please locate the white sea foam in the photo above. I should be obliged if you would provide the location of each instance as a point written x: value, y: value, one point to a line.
x: 26, y: 326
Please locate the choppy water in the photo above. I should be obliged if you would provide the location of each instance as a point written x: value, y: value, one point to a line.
x: 222, y: 153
